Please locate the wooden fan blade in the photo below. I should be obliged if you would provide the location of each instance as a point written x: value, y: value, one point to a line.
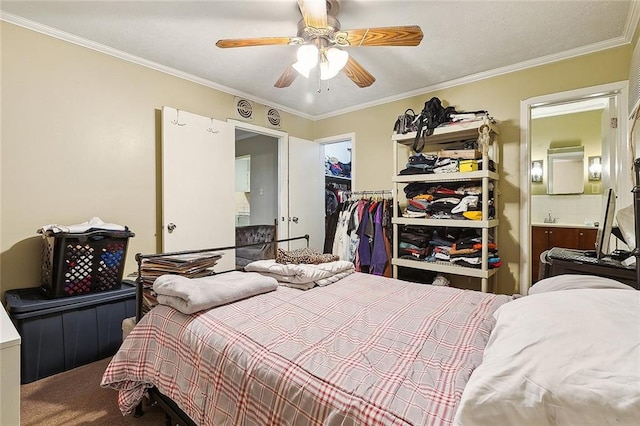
x: 248, y: 42
x: 286, y: 78
x: 314, y: 12
x: 357, y: 73
x: 385, y: 36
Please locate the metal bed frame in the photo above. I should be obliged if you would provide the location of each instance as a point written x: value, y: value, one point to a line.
x: 173, y: 414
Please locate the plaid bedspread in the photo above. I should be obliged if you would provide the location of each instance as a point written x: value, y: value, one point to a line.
x: 366, y: 350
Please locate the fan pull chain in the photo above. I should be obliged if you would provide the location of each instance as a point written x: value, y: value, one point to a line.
x: 320, y: 85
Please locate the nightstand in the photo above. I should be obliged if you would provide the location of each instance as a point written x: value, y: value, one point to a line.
x: 614, y: 270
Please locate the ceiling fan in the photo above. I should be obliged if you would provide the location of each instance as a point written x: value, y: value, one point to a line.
x: 321, y: 41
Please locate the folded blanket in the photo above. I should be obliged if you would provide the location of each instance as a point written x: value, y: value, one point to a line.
x: 93, y: 223
x: 334, y: 278
x: 321, y: 282
x: 300, y: 274
x: 304, y: 286
x: 189, y: 295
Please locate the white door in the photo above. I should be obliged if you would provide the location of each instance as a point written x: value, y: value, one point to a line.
x: 617, y: 170
x: 198, y: 163
x: 306, y: 193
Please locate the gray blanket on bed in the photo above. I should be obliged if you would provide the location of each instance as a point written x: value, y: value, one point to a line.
x: 189, y: 295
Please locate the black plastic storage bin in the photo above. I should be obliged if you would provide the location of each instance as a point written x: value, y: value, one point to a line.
x: 61, y: 334
x: 81, y: 263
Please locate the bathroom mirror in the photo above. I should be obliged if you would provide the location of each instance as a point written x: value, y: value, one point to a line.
x: 566, y: 170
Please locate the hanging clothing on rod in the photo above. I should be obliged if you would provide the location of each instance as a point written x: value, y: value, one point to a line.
x: 335, y: 194
x: 363, y: 231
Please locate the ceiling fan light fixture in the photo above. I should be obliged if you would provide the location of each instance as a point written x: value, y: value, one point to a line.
x: 320, y: 38
x: 332, y: 61
x: 307, y: 59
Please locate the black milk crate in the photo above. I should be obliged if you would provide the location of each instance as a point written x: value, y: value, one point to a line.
x: 82, y: 263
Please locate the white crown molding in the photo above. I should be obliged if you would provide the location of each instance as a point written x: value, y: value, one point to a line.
x: 632, y: 21
x: 83, y: 42
x: 630, y: 27
x: 544, y: 60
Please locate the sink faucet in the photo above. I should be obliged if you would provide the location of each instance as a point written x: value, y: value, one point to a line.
x: 550, y: 219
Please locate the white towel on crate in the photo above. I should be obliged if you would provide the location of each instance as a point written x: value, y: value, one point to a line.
x: 189, y: 295
x: 93, y: 223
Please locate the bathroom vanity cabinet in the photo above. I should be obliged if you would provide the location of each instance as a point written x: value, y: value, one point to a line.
x: 544, y: 237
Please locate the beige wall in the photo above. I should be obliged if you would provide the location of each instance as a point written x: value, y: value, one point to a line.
x: 79, y: 139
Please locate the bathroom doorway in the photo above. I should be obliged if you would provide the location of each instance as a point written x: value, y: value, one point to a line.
x: 565, y: 113
x: 256, y: 178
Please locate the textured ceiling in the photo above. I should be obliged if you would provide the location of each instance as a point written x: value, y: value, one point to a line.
x: 463, y: 41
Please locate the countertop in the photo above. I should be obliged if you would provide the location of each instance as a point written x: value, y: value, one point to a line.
x: 565, y: 225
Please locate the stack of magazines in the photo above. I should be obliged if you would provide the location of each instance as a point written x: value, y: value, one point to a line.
x: 192, y: 265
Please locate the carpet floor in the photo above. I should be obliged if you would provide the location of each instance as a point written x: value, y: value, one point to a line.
x: 75, y: 397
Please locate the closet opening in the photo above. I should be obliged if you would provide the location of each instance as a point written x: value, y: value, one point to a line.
x: 337, y: 176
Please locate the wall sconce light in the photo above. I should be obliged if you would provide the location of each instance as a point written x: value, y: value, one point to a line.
x: 595, y: 168
x: 536, y: 171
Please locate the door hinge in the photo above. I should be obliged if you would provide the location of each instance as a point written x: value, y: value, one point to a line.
x: 614, y: 122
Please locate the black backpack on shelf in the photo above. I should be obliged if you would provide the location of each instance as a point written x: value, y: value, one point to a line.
x: 433, y: 114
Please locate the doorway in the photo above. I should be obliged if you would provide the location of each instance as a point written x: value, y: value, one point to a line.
x: 256, y: 178
x: 283, y: 182
x: 338, y: 154
x: 599, y: 108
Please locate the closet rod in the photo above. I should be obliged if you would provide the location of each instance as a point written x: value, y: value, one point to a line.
x: 380, y: 191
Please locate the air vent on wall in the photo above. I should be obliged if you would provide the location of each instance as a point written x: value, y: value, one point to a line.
x: 244, y: 109
x: 273, y: 117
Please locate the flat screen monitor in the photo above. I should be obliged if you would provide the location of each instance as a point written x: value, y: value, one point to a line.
x: 606, y: 225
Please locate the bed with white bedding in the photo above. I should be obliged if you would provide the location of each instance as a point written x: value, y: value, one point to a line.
x: 374, y: 350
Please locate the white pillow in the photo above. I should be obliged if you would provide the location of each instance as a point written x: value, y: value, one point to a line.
x: 559, y: 358
x: 572, y: 282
